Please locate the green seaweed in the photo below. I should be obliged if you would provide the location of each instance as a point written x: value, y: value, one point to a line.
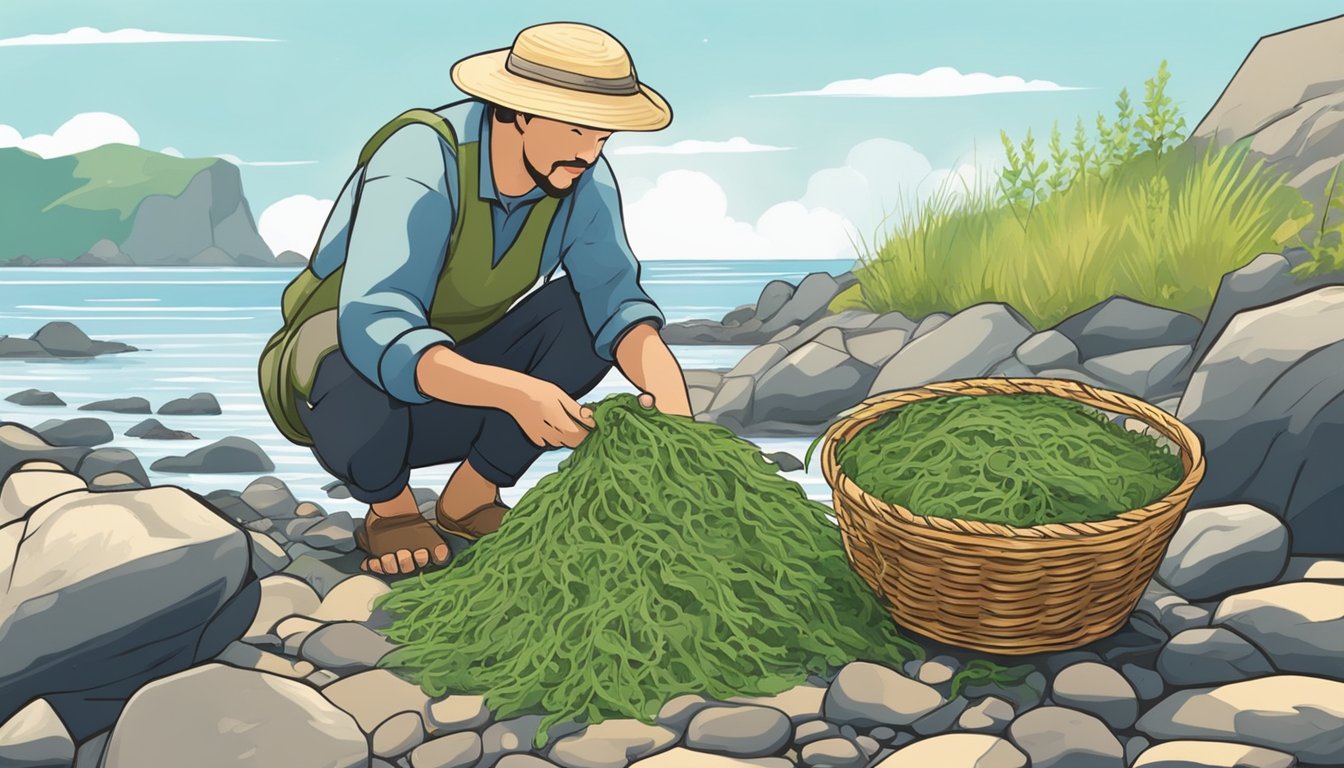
x: 665, y: 556
x: 1020, y: 460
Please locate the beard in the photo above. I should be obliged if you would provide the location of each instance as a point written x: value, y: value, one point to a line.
x: 545, y: 183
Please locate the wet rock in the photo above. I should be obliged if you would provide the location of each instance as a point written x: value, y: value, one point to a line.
x: 201, y: 403
x: 1219, y: 550
x: 229, y: 454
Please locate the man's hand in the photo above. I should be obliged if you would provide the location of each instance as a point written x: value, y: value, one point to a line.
x: 650, y: 365
x: 549, y: 416
x: 647, y: 400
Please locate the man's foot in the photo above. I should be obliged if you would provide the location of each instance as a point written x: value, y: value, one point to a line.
x: 399, y: 544
x: 475, y: 523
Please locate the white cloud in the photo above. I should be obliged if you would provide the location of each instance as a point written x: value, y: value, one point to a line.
x: 936, y: 82
x: 83, y: 131
x: 294, y: 223
x: 237, y: 161
x: 698, y: 147
x: 684, y: 216
x: 94, y: 36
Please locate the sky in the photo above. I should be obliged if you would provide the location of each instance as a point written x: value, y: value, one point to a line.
x: 795, y: 125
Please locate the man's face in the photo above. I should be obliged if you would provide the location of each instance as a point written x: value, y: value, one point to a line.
x: 556, y: 153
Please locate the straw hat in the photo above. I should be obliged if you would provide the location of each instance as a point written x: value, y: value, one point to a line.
x: 566, y: 71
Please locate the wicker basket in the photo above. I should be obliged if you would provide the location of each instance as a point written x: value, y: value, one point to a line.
x: 998, y: 588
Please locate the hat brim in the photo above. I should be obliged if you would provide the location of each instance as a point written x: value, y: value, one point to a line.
x: 484, y: 75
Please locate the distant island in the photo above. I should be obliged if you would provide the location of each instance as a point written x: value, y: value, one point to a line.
x: 123, y: 206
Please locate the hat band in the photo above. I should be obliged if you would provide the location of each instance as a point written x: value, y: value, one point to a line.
x: 608, y: 86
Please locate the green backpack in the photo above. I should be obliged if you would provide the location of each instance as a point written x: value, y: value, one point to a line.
x: 289, y: 361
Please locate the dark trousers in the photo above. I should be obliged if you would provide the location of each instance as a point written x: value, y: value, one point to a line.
x: 371, y: 441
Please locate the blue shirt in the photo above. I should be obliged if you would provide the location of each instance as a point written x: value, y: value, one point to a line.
x: 391, y: 224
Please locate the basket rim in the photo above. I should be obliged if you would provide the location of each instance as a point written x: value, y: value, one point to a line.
x: 868, y: 410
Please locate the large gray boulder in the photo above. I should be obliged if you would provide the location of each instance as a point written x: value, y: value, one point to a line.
x: 1284, y: 103
x: 967, y: 345
x: 177, y: 573
x: 1299, y: 625
x: 1219, y: 550
x: 1301, y: 715
x: 229, y: 454
x: 810, y: 386
x: 1266, y: 402
x: 1120, y: 324
x: 19, y: 444
x: 215, y: 716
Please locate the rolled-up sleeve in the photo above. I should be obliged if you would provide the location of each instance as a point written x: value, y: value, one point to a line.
x: 601, y: 265
x: 401, y: 223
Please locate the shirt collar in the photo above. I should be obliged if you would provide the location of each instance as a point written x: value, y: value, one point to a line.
x: 486, y: 177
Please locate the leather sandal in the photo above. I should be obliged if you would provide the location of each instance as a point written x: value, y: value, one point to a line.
x: 477, y: 523
x: 379, y: 535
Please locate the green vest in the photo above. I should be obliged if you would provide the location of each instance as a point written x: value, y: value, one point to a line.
x: 469, y: 295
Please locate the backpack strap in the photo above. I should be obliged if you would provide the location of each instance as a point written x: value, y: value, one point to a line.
x: 425, y: 116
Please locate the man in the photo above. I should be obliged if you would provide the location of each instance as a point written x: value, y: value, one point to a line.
x: 439, y: 360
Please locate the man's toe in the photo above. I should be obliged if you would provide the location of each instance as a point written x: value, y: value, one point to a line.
x: 389, y: 563
x: 441, y: 553
x: 407, y: 562
x: 421, y: 557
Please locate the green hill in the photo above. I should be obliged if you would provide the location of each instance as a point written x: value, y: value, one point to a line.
x: 58, y: 207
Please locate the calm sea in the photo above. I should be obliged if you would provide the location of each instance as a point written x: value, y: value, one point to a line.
x: 201, y: 330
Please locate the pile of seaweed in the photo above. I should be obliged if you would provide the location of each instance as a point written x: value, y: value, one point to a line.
x: 1019, y: 460
x: 664, y: 556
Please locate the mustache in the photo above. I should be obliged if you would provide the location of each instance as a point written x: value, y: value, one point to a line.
x: 571, y: 164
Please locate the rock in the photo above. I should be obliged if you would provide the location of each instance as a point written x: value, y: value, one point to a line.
x: 26, y: 490
x: 152, y: 429
x: 267, y: 556
x: 281, y: 595
x: 1291, y: 713
x: 179, y: 575
x: 676, y: 712
x: 1210, y: 656
x: 11, y: 347
x: 681, y: 757
x: 937, y: 671
x: 732, y: 402
x: 965, y: 346
x: 35, y: 737
x: 703, y: 378
x: 1211, y: 754
x: 773, y: 297
x: 833, y: 753
x: 1047, y: 349
x: 518, y: 734
x: 294, y: 527
x: 1313, y: 569
x: 118, y: 405
x: 1299, y: 626
x: 229, y: 454
x: 941, y: 719
x: 64, y: 339
x: 19, y: 444
x: 786, y: 461
x: 345, y: 646
x: 319, y: 575
x: 90, y: 753
x: 231, y: 506
x: 352, y: 599
x: 213, y: 714
x: 458, y: 750
x: 808, y: 302
x: 1148, y: 372
x: 103, y: 253
x: 114, y: 481
x: 745, y: 731
x: 35, y: 397
x: 201, y: 403
x: 1056, y: 736
x: 957, y: 750
x: 1119, y: 324
x: 335, y: 531
x: 812, y: 730
x: 101, y: 460
x: 1097, y: 690
x: 991, y: 715
x: 397, y: 735
x: 1147, y: 683
x: 800, y: 703
x: 85, y: 431
x: 868, y: 694
x: 336, y: 490
x: 810, y: 386
x: 1169, y: 610
x: 374, y: 696
x: 1219, y: 550
x: 456, y: 713
x: 248, y: 656
x: 875, y: 348
x: 1265, y: 421
x: 611, y: 744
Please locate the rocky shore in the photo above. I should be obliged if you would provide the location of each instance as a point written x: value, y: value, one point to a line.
x: 247, y: 607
